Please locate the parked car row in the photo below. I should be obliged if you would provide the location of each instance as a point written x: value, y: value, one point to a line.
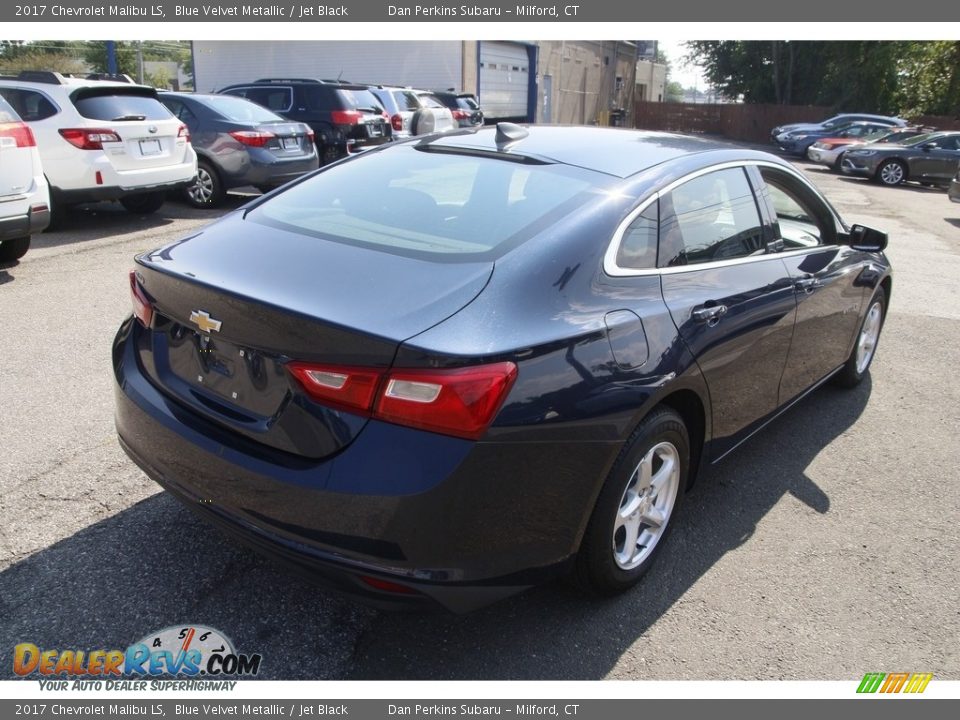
x: 882, y: 148
x: 106, y: 138
x: 97, y: 140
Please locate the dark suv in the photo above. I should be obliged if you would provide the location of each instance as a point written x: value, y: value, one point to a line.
x: 344, y: 118
x: 464, y: 106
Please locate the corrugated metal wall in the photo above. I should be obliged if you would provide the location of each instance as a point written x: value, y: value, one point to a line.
x: 421, y: 64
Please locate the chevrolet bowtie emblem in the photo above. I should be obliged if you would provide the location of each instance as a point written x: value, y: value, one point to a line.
x: 203, y: 321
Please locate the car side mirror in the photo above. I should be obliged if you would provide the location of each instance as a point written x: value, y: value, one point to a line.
x: 864, y: 238
x: 928, y: 146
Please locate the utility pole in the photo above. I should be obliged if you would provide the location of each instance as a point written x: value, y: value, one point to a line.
x: 111, y: 57
x: 140, y: 62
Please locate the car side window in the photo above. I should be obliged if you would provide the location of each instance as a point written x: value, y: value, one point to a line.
x: 30, y: 105
x: 179, y: 110
x: 278, y: 99
x: 638, y: 247
x: 948, y: 142
x: 803, y: 220
x: 709, y: 218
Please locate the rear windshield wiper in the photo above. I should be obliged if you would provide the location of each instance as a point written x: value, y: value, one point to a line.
x: 129, y: 117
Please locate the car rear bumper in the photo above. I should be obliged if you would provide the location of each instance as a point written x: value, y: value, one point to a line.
x: 115, y: 192
x: 460, y: 524
x: 824, y: 157
x: 23, y: 224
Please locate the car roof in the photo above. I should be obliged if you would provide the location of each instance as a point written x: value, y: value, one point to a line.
x: 613, y: 151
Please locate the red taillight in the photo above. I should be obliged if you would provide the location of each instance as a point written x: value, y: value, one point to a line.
x: 142, y: 309
x: 460, y: 401
x: 184, y: 132
x: 386, y: 585
x: 346, y: 117
x: 19, y: 132
x: 310, y: 135
x: 89, y: 138
x: 461, y: 115
x: 396, y: 122
x: 252, y: 138
x: 349, y: 388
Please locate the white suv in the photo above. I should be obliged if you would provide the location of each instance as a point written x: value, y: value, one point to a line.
x: 24, y: 195
x: 102, y: 140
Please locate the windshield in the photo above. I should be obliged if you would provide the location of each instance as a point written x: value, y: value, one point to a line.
x: 435, y: 205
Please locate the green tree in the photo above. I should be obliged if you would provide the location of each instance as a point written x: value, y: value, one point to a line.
x: 929, y: 74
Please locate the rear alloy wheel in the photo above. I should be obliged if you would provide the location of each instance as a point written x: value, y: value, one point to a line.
x: 891, y: 172
x: 143, y: 204
x: 11, y: 250
x: 638, y: 500
x: 207, y: 191
x: 859, y: 361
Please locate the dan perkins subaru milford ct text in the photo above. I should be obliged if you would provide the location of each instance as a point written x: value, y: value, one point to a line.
x: 426, y: 11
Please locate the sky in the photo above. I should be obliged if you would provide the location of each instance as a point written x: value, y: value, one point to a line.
x: 687, y: 76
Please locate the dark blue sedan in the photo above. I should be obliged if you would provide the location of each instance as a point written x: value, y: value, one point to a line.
x: 454, y: 367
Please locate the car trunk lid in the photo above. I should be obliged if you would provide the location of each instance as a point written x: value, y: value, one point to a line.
x: 233, y: 307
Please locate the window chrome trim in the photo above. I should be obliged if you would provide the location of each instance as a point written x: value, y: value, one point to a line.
x: 611, y: 268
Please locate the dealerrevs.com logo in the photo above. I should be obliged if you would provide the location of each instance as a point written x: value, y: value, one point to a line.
x: 184, y: 651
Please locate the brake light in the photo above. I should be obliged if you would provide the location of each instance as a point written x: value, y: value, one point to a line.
x: 460, y: 401
x: 396, y: 122
x: 252, y: 138
x: 310, y: 135
x: 346, y: 117
x: 89, y: 138
x: 184, y: 132
x: 461, y: 115
x: 19, y: 132
x: 142, y: 309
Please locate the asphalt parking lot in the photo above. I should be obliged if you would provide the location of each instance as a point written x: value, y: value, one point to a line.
x: 825, y: 548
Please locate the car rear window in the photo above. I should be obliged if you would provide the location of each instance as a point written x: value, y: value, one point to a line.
x: 467, y: 103
x: 240, y: 110
x: 360, y: 100
x: 439, y: 206
x: 115, y: 107
x: 407, y: 100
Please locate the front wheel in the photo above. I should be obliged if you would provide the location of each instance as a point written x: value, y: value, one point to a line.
x: 857, y: 365
x: 636, y: 504
x: 143, y: 204
x: 891, y: 172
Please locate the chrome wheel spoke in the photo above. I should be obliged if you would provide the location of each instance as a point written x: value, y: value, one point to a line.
x: 645, y: 505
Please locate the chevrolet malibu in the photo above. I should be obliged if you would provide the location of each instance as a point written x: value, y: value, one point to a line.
x: 454, y: 367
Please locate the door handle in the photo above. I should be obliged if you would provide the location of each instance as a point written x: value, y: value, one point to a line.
x: 710, y: 314
x: 808, y: 284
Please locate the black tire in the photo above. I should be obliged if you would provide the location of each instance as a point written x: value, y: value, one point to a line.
x: 837, y: 166
x: 328, y: 153
x: 143, y: 204
x: 891, y: 173
x: 208, y: 190
x: 605, y: 564
x: 858, y: 365
x: 12, y: 250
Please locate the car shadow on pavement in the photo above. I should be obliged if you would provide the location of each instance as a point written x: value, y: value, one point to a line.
x: 953, y: 221
x: 156, y: 565
x: 554, y: 632
x: 98, y: 221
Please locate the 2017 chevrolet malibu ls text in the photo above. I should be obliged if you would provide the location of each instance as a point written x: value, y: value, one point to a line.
x: 454, y: 367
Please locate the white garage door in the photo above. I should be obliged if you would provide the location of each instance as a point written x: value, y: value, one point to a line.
x: 504, y: 79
